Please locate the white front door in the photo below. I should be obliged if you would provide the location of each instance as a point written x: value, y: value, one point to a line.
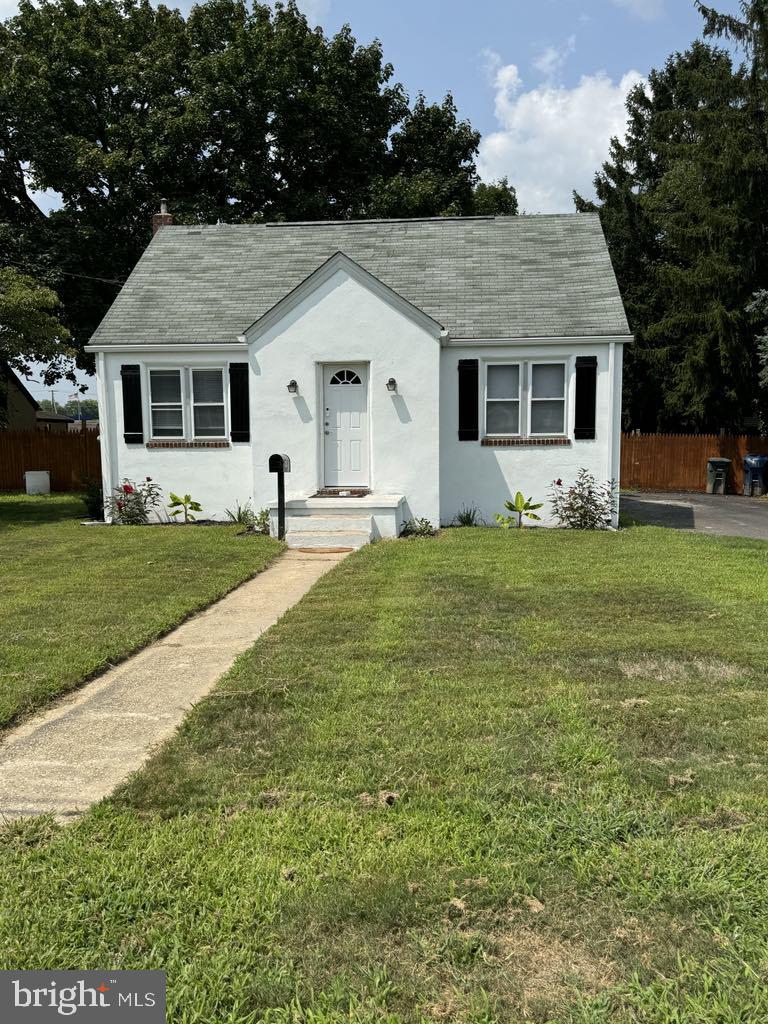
x: 345, y: 425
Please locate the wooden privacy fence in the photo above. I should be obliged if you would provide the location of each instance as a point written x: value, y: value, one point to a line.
x: 678, y: 462
x: 69, y: 458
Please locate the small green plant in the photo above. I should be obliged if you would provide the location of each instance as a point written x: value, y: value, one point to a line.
x: 521, y: 508
x: 468, y: 515
x: 243, y: 515
x: 418, y: 528
x: 130, y: 503
x: 185, y: 506
x: 93, y: 498
x: 261, y: 522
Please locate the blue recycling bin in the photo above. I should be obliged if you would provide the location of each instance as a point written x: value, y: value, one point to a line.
x: 755, y: 472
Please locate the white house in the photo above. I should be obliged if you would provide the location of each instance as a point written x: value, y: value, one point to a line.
x: 406, y: 367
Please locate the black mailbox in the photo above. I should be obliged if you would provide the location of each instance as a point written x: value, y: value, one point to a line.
x: 281, y: 465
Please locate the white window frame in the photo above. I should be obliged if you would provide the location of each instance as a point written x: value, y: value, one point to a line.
x: 529, y: 405
x: 192, y: 403
x: 183, y: 405
x: 504, y: 362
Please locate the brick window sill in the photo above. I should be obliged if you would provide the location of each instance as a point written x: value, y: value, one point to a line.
x: 188, y: 444
x: 526, y: 442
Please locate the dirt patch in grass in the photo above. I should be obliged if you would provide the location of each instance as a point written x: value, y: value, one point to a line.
x: 549, y: 971
x: 673, y: 670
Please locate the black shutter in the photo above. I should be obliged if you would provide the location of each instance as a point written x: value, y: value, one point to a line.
x: 132, y: 419
x: 468, y: 400
x: 239, y: 412
x: 586, y: 398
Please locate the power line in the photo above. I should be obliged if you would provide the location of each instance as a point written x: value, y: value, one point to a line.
x: 67, y: 273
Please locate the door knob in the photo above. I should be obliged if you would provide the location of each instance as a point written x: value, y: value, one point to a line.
x: 327, y: 431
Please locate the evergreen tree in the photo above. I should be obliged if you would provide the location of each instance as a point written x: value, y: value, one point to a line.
x: 683, y: 205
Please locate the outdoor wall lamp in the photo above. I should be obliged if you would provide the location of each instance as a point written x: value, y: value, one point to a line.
x: 391, y: 384
x: 293, y: 387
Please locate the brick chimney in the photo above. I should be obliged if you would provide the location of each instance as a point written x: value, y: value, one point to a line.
x: 162, y: 219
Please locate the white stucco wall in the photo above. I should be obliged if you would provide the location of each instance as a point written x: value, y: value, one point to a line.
x: 216, y: 477
x: 484, y: 477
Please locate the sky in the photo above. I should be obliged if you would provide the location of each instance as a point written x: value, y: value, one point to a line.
x: 544, y: 81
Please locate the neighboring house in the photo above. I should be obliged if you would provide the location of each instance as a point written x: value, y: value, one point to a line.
x: 53, y: 422
x: 76, y: 426
x: 17, y: 407
x: 423, y: 365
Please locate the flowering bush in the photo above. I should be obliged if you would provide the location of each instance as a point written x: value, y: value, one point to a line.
x: 586, y: 505
x: 130, y: 503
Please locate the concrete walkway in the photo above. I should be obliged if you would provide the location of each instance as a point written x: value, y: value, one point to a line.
x: 78, y: 751
x: 725, y: 514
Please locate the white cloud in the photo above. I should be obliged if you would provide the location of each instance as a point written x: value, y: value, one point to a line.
x: 551, y: 139
x: 648, y: 10
x: 552, y: 59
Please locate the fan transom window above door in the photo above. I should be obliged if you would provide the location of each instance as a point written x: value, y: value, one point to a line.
x: 345, y: 377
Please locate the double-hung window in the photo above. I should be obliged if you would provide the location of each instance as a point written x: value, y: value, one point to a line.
x: 166, y: 403
x: 208, y: 403
x: 502, y: 399
x: 525, y: 399
x: 187, y: 403
x: 547, y: 413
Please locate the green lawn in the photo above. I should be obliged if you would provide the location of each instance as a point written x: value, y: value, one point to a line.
x: 575, y: 727
x: 74, y: 599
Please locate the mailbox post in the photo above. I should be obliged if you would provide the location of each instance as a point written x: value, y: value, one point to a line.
x: 281, y: 465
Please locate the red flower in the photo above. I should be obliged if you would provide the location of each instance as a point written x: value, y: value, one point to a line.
x: 119, y: 504
x: 558, y: 482
x: 127, y: 489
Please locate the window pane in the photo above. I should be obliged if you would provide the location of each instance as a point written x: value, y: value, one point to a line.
x: 503, y: 381
x: 167, y: 423
x: 165, y: 386
x: 209, y: 420
x: 503, y: 418
x: 208, y: 386
x: 547, y: 417
x: 548, y: 381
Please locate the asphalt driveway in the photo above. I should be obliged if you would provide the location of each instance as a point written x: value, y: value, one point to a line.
x: 730, y: 514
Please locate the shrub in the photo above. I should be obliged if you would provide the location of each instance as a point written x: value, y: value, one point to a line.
x: 185, y: 506
x: 130, y: 504
x: 93, y: 498
x: 261, y: 522
x: 468, y: 515
x: 520, y: 508
x: 586, y: 504
x: 418, y: 528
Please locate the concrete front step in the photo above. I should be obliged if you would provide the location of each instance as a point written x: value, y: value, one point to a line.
x: 319, y: 539
x: 318, y: 523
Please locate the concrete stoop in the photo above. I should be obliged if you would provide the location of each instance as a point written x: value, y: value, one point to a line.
x: 333, y: 522
x: 329, y: 531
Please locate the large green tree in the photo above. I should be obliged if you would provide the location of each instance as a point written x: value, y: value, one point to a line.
x: 239, y: 112
x: 683, y: 201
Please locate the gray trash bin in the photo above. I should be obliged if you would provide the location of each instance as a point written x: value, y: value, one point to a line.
x: 717, y: 475
x: 755, y: 467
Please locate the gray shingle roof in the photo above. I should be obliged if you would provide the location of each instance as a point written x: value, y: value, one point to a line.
x: 481, y: 277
